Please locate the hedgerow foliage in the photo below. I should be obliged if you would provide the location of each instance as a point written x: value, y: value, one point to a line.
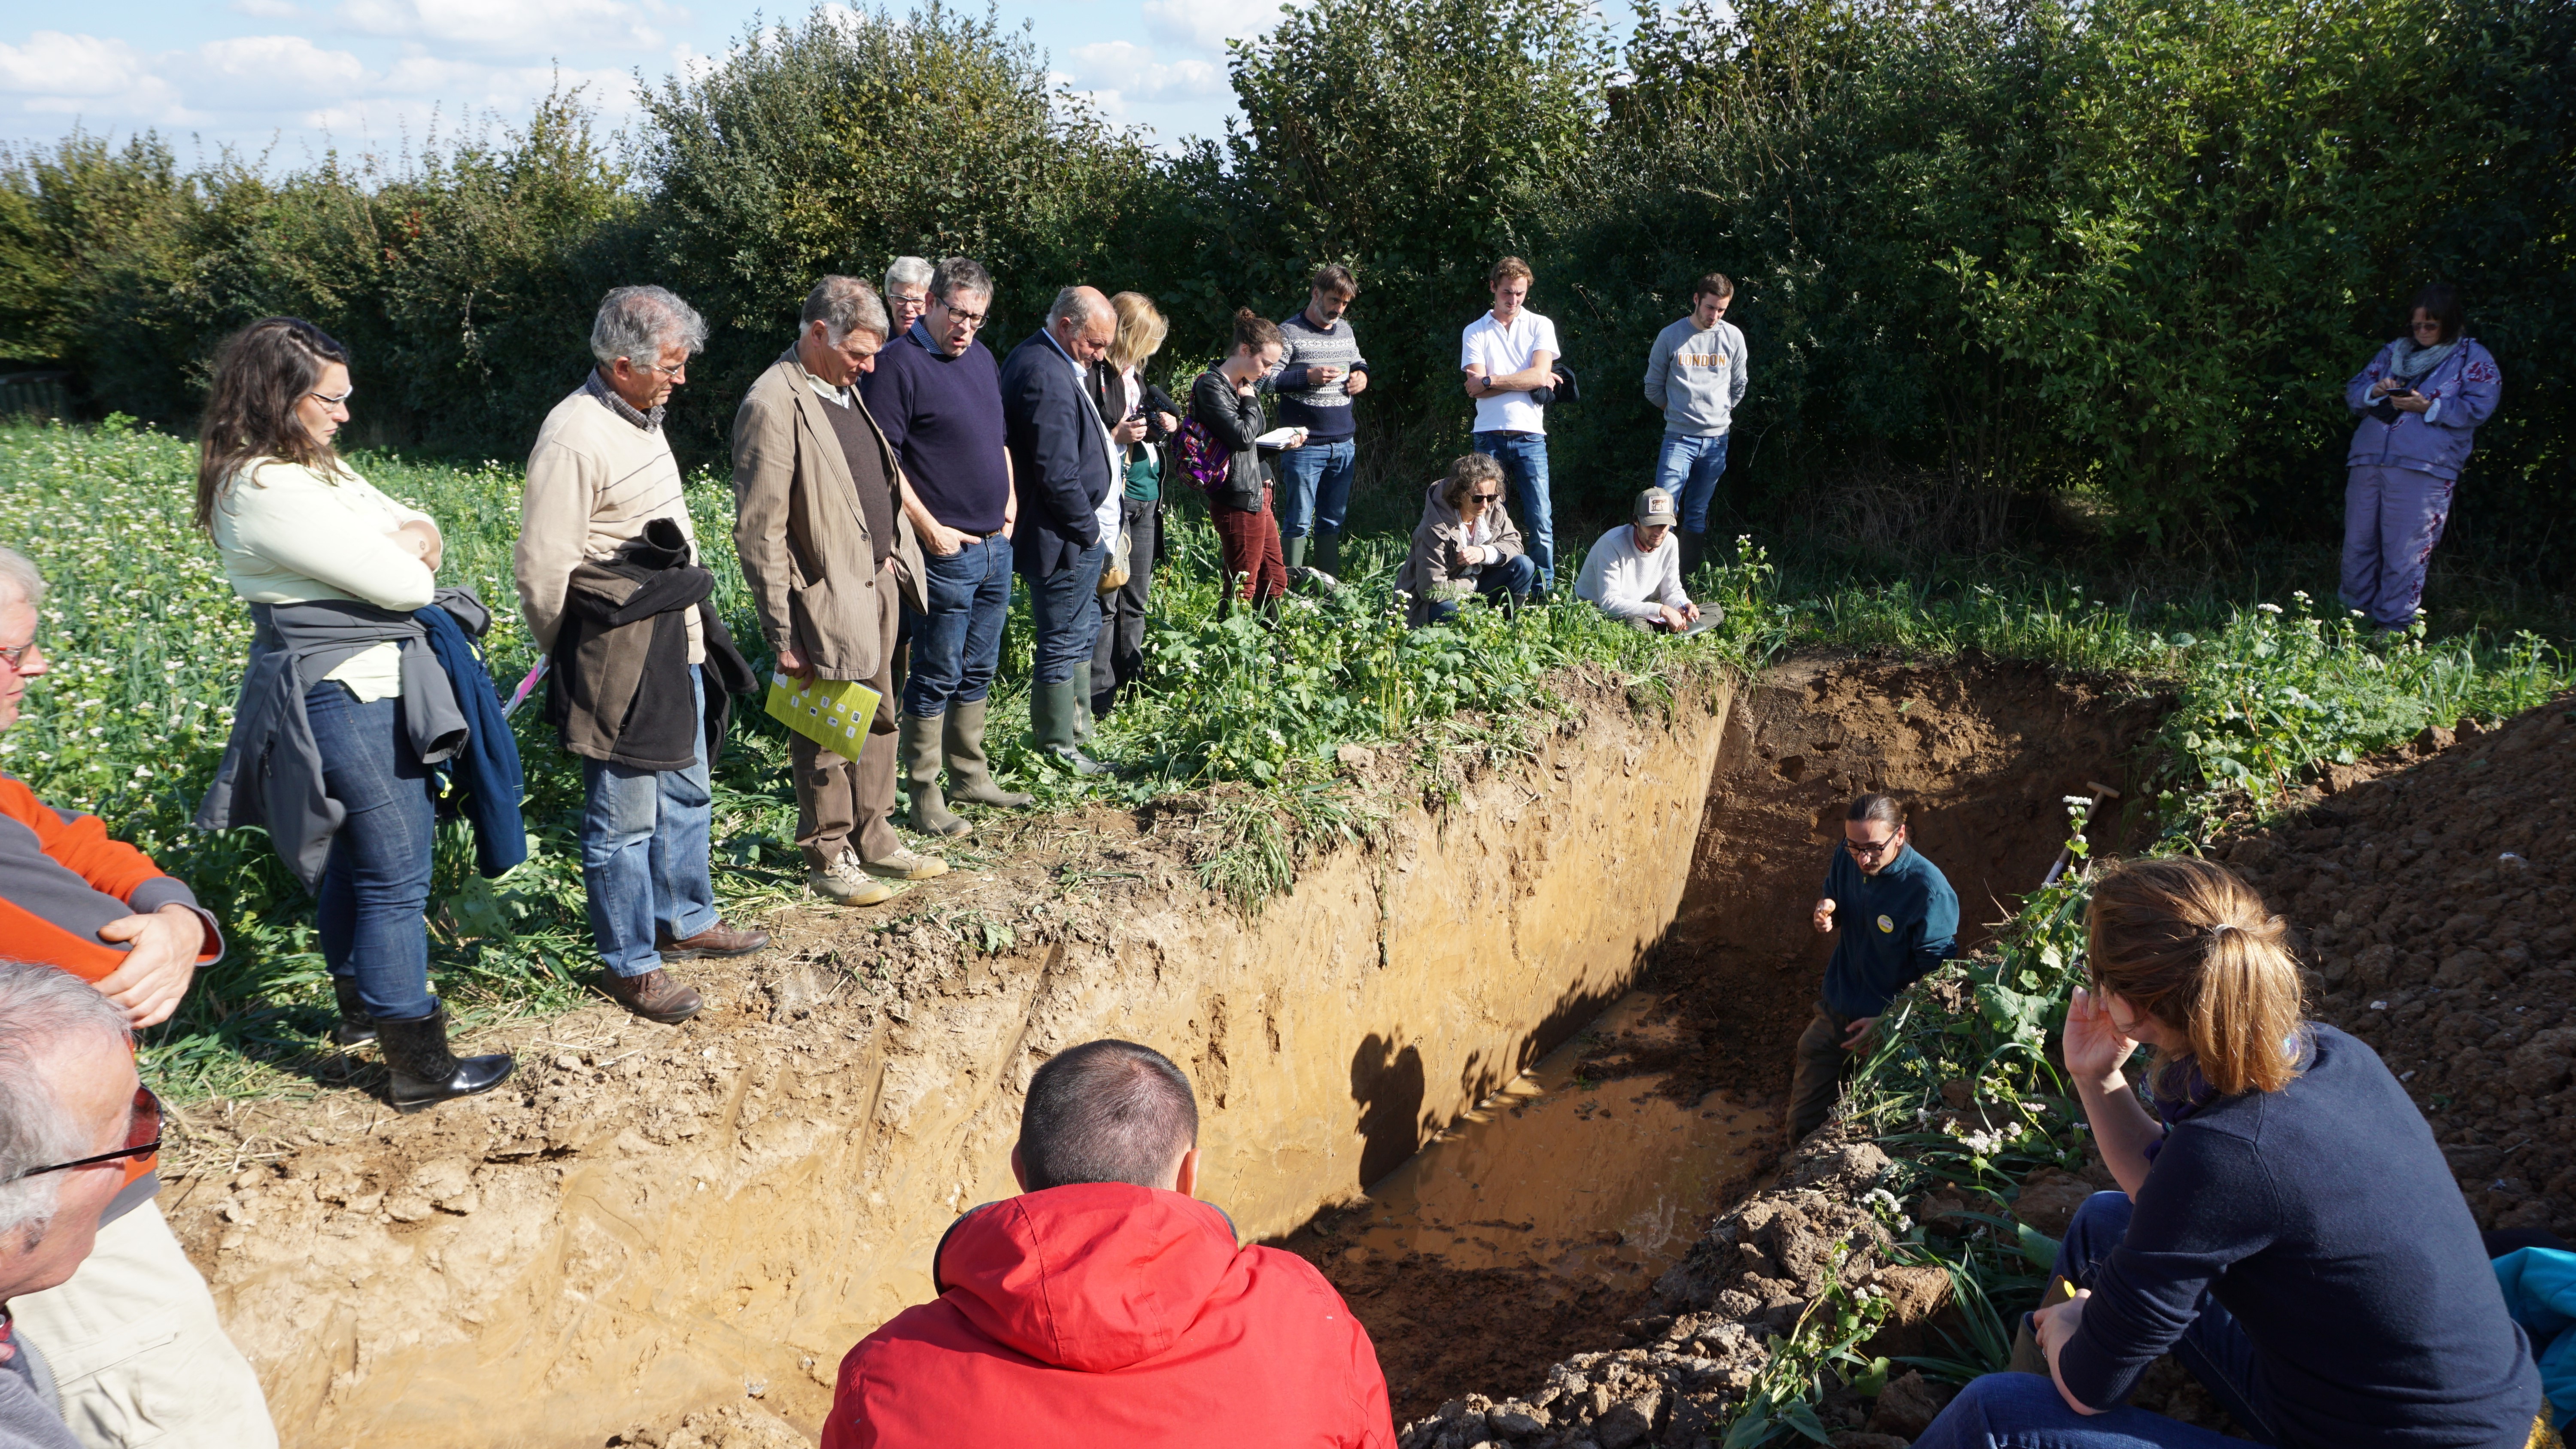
x: 2122, y: 250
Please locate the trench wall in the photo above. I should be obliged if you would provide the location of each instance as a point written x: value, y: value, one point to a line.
x: 727, y: 1211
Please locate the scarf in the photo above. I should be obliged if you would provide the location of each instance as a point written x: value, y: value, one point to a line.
x: 2410, y: 363
x: 2178, y: 1090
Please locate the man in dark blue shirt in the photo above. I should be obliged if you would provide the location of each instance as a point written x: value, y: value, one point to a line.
x: 1899, y: 918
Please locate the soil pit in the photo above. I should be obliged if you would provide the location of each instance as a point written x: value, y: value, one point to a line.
x: 686, y: 1228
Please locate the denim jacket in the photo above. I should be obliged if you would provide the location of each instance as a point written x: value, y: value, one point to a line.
x: 2463, y: 389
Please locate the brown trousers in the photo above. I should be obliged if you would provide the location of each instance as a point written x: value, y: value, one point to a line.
x: 1819, y: 1077
x: 838, y: 798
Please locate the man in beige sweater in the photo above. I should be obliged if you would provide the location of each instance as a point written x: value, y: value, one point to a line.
x: 819, y: 526
x: 601, y: 471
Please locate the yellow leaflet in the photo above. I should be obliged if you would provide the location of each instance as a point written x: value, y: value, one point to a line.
x: 833, y: 713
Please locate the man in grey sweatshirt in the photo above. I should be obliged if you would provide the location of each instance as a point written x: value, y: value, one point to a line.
x: 1695, y: 377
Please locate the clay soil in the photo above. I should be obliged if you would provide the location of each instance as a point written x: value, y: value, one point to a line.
x: 2432, y: 892
x: 1982, y: 751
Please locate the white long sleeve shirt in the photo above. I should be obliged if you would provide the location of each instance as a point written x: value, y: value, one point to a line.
x: 1628, y: 584
x: 289, y: 535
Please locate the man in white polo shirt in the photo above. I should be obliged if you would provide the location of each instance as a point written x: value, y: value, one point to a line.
x: 1635, y: 572
x: 1510, y: 354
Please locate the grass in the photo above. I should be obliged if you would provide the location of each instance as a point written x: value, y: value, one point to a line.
x: 147, y: 643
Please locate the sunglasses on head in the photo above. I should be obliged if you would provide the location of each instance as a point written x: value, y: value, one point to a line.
x: 142, y: 1138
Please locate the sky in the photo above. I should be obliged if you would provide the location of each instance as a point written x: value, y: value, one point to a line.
x: 291, y: 78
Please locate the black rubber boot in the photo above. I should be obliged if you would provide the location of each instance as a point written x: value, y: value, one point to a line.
x: 425, y: 1073
x: 356, y: 1027
x: 1694, y: 548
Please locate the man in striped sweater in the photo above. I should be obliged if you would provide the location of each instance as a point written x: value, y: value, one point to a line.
x: 74, y: 899
x: 1317, y: 378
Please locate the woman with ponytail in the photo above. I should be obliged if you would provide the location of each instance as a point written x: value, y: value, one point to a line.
x: 2286, y: 1226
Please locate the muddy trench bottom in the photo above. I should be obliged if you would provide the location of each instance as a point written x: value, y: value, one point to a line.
x: 1542, y: 1217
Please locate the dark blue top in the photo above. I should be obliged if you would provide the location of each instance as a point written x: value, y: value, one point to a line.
x: 1890, y: 929
x: 1059, y: 456
x: 943, y: 415
x: 2323, y: 1217
x: 484, y: 776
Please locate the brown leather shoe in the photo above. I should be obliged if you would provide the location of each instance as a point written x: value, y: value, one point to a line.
x: 654, y: 996
x: 716, y: 940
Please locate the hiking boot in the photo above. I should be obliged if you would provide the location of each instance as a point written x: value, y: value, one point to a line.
x: 970, y: 772
x: 355, y: 1027
x: 906, y: 865
x: 843, y: 883
x: 919, y: 743
x: 654, y: 996
x: 424, y: 1073
x: 716, y: 940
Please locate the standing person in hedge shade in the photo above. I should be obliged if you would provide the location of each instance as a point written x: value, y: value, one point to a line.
x: 1695, y: 377
x: 1318, y: 376
x: 1509, y: 356
x: 2286, y: 1227
x: 1898, y: 918
x: 1142, y: 420
x: 2421, y: 401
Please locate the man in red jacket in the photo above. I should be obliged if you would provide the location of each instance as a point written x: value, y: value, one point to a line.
x: 1105, y: 1306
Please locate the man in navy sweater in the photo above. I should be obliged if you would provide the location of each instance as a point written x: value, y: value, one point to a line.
x: 1316, y: 380
x: 1899, y: 918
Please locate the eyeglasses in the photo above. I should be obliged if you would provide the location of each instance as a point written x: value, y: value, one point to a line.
x: 971, y: 319
x: 142, y: 1138
x: 1869, y: 849
x: 673, y: 373
x: 14, y: 657
x: 1484, y: 497
x: 2427, y: 325
x: 333, y: 400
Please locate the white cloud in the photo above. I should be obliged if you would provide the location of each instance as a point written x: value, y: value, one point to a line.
x: 517, y: 27
x: 1209, y: 24
x: 256, y: 72
x: 1130, y: 71
x: 267, y: 9
x: 54, y: 64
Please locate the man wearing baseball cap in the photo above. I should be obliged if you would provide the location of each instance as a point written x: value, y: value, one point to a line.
x: 1635, y: 573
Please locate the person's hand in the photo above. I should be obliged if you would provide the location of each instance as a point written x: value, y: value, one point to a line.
x: 1470, y: 554
x: 2053, y: 1326
x: 1168, y: 423
x: 1859, y: 1032
x: 1129, y: 430
x: 1357, y: 385
x: 2410, y: 401
x: 1244, y: 386
x: 158, y: 969
x: 1298, y: 441
x: 2384, y: 387
x: 1673, y: 620
x: 942, y: 540
x: 793, y: 664
x: 1690, y: 613
x: 1825, y: 916
x: 2095, y: 1048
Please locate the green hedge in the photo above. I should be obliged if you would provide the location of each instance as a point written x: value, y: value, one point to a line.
x: 2116, y: 252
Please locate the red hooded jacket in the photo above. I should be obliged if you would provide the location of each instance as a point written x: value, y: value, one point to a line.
x: 1109, y: 1314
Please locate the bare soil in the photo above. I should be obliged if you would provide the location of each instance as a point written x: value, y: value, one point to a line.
x: 1981, y: 751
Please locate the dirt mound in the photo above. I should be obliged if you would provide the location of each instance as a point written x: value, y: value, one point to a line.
x: 2431, y: 889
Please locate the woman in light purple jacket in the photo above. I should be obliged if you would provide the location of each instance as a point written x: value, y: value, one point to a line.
x: 2421, y: 400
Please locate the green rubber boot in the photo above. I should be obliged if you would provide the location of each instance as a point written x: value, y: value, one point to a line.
x: 1082, y: 702
x: 1296, y: 554
x: 1051, y: 722
x: 970, y: 771
x: 919, y: 743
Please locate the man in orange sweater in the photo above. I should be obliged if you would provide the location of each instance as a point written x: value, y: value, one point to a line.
x: 100, y: 909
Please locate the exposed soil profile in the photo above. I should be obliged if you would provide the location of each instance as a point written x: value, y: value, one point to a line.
x: 1983, y: 753
x: 670, y: 1235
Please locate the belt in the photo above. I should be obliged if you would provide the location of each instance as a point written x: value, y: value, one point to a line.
x: 1513, y: 433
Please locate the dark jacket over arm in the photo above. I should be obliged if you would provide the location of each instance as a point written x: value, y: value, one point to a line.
x: 1059, y: 456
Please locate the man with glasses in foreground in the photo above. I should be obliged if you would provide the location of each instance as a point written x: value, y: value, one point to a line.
x: 101, y: 944
x: 1899, y: 919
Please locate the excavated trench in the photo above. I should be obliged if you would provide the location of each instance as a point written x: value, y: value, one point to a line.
x: 1576, y: 986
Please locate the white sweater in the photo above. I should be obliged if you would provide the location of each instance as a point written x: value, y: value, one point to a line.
x: 289, y: 535
x: 1628, y: 584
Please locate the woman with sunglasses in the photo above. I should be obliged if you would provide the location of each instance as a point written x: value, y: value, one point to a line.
x: 1898, y: 919
x: 2420, y: 402
x: 339, y: 671
x: 2286, y: 1228
x: 1465, y: 546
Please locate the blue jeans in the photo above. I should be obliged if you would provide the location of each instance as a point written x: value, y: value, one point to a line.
x: 1688, y: 469
x: 1524, y: 460
x: 1314, y: 487
x: 957, y: 646
x: 644, y: 853
x: 375, y: 882
x: 1513, y: 576
x: 1064, y: 614
x: 2025, y: 1411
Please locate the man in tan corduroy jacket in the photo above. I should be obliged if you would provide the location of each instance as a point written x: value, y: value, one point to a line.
x: 820, y: 528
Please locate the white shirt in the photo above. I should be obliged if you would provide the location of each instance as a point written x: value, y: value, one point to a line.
x: 1500, y: 350
x: 289, y: 535
x: 1628, y: 584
